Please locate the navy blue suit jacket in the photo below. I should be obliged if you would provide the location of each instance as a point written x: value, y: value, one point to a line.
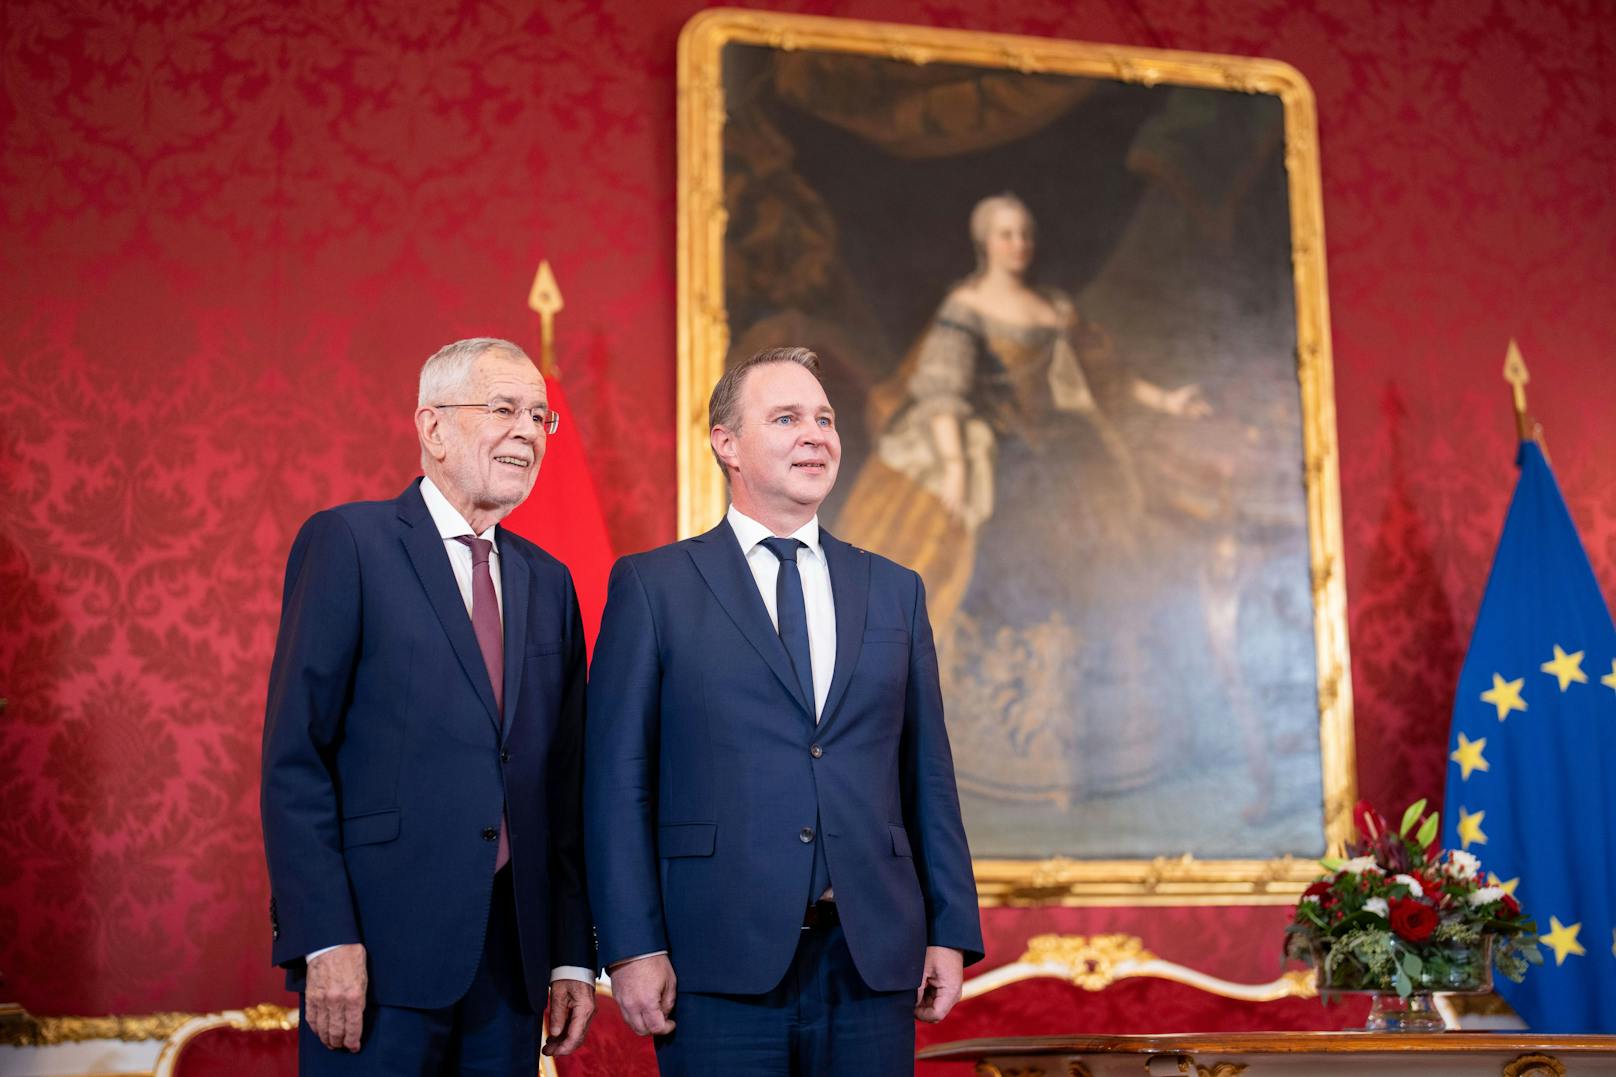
x: 384, y: 767
x: 702, y: 773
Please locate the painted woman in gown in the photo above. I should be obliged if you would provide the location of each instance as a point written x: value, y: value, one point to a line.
x: 998, y: 476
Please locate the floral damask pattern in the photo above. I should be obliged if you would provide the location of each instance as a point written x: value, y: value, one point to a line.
x: 231, y: 231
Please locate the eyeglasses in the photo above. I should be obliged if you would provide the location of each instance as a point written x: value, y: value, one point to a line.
x: 506, y: 414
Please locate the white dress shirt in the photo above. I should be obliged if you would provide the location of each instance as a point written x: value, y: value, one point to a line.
x: 451, y: 525
x: 816, y: 593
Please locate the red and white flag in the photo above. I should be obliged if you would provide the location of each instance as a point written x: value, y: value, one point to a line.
x: 563, y: 515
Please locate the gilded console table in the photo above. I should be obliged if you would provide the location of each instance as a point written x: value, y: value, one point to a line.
x: 1285, y: 1054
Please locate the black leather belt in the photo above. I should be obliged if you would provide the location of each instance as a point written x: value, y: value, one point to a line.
x: 820, y: 914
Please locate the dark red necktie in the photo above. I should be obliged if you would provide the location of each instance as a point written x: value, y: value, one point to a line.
x: 490, y: 632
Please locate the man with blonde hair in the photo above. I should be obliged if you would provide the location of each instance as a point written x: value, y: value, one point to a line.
x: 777, y: 866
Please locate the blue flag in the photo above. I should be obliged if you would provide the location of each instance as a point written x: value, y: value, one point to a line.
x: 1531, y: 784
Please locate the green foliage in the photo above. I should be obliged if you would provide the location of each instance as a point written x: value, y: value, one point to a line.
x: 1367, y: 924
x: 1411, y: 816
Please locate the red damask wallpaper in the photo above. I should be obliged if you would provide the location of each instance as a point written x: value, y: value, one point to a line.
x: 232, y: 231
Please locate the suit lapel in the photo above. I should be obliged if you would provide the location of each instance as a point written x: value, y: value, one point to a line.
x: 425, y: 548
x: 514, y: 574
x: 718, y: 558
x: 850, y: 592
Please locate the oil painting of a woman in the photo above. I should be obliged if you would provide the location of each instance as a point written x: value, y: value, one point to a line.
x: 995, y: 441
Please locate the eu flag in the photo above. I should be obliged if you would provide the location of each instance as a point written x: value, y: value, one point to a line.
x: 1530, y: 788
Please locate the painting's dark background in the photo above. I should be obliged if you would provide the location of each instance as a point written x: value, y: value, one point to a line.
x: 230, y: 231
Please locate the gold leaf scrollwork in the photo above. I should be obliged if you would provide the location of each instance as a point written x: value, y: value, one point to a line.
x: 29, y: 1031
x: 18, y: 1028
x: 1090, y: 961
x: 988, y: 1069
x: 1534, y: 1066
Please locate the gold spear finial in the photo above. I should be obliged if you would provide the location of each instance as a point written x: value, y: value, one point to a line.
x: 545, y: 298
x: 1516, y: 374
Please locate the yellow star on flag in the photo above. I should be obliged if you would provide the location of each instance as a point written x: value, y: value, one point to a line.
x: 1505, y: 695
x: 1468, y: 756
x: 1506, y: 885
x: 1565, y: 668
x: 1470, y: 828
x: 1563, y: 940
x: 1609, y: 679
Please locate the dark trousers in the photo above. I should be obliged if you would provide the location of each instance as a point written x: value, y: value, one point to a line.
x: 821, y: 1019
x: 491, y: 1031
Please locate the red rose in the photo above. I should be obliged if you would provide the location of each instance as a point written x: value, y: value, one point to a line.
x: 1412, y: 919
x: 1511, y: 906
x: 1318, y: 889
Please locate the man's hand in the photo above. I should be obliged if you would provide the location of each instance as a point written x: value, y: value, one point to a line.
x: 940, y: 984
x: 644, y: 989
x: 334, y: 996
x: 572, y: 1004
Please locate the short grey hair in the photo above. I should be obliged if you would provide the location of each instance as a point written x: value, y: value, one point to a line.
x: 449, y: 369
x: 724, y: 406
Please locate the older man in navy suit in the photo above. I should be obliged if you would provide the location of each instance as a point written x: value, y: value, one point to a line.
x: 422, y: 755
x: 779, y: 874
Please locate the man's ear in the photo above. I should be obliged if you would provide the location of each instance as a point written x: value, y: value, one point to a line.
x: 429, y: 428
x: 723, y: 442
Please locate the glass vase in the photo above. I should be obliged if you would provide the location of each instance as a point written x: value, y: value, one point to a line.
x: 1448, y: 968
x: 1388, y: 1012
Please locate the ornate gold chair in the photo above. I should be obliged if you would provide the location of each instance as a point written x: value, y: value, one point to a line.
x: 1112, y: 984
x: 260, y: 1041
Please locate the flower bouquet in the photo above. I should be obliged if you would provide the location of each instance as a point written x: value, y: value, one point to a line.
x: 1400, y: 918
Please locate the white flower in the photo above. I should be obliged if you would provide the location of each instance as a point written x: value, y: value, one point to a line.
x: 1314, y: 898
x: 1485, y: 896
x: 1461, y: 865
x: 1360, y: 865
x: 1377, y: 906
x: 1412, y: 883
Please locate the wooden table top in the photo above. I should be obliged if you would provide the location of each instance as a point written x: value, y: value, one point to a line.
x: 1270, y: 1043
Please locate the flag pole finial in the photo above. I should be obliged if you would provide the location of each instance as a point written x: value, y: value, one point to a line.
x: 545, y: 298
x: 1516, y: 374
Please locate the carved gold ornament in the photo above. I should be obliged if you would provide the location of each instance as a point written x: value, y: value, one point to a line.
x: 1091, y: 960
x: 1534, y: 1066
x: 18, y: 1028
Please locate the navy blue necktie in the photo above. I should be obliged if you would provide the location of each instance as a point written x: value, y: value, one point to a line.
x: 792, y: 614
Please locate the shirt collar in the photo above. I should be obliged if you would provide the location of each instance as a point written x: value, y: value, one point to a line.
x: 451, y: 525
x: 750, y: 532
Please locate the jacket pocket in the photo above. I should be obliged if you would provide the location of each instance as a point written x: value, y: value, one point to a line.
x: 686, y: 839
x: 886, y: 635
x: 539, y: 650
x: 900, y: 840
x: 370, y: 828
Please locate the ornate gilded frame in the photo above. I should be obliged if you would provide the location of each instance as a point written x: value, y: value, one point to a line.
x: 703, y: 341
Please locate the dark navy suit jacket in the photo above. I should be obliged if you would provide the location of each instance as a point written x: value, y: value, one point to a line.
x: 704, y: 766
x: 384, y: 767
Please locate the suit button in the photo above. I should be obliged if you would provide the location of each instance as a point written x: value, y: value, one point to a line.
x: 504, y: 755
x: 490, y: 834
x: 816, y: 751
x: 806, y: 835
x: 275, y: 934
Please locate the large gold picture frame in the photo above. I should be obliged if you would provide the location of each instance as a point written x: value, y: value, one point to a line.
x: 705, y: 345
